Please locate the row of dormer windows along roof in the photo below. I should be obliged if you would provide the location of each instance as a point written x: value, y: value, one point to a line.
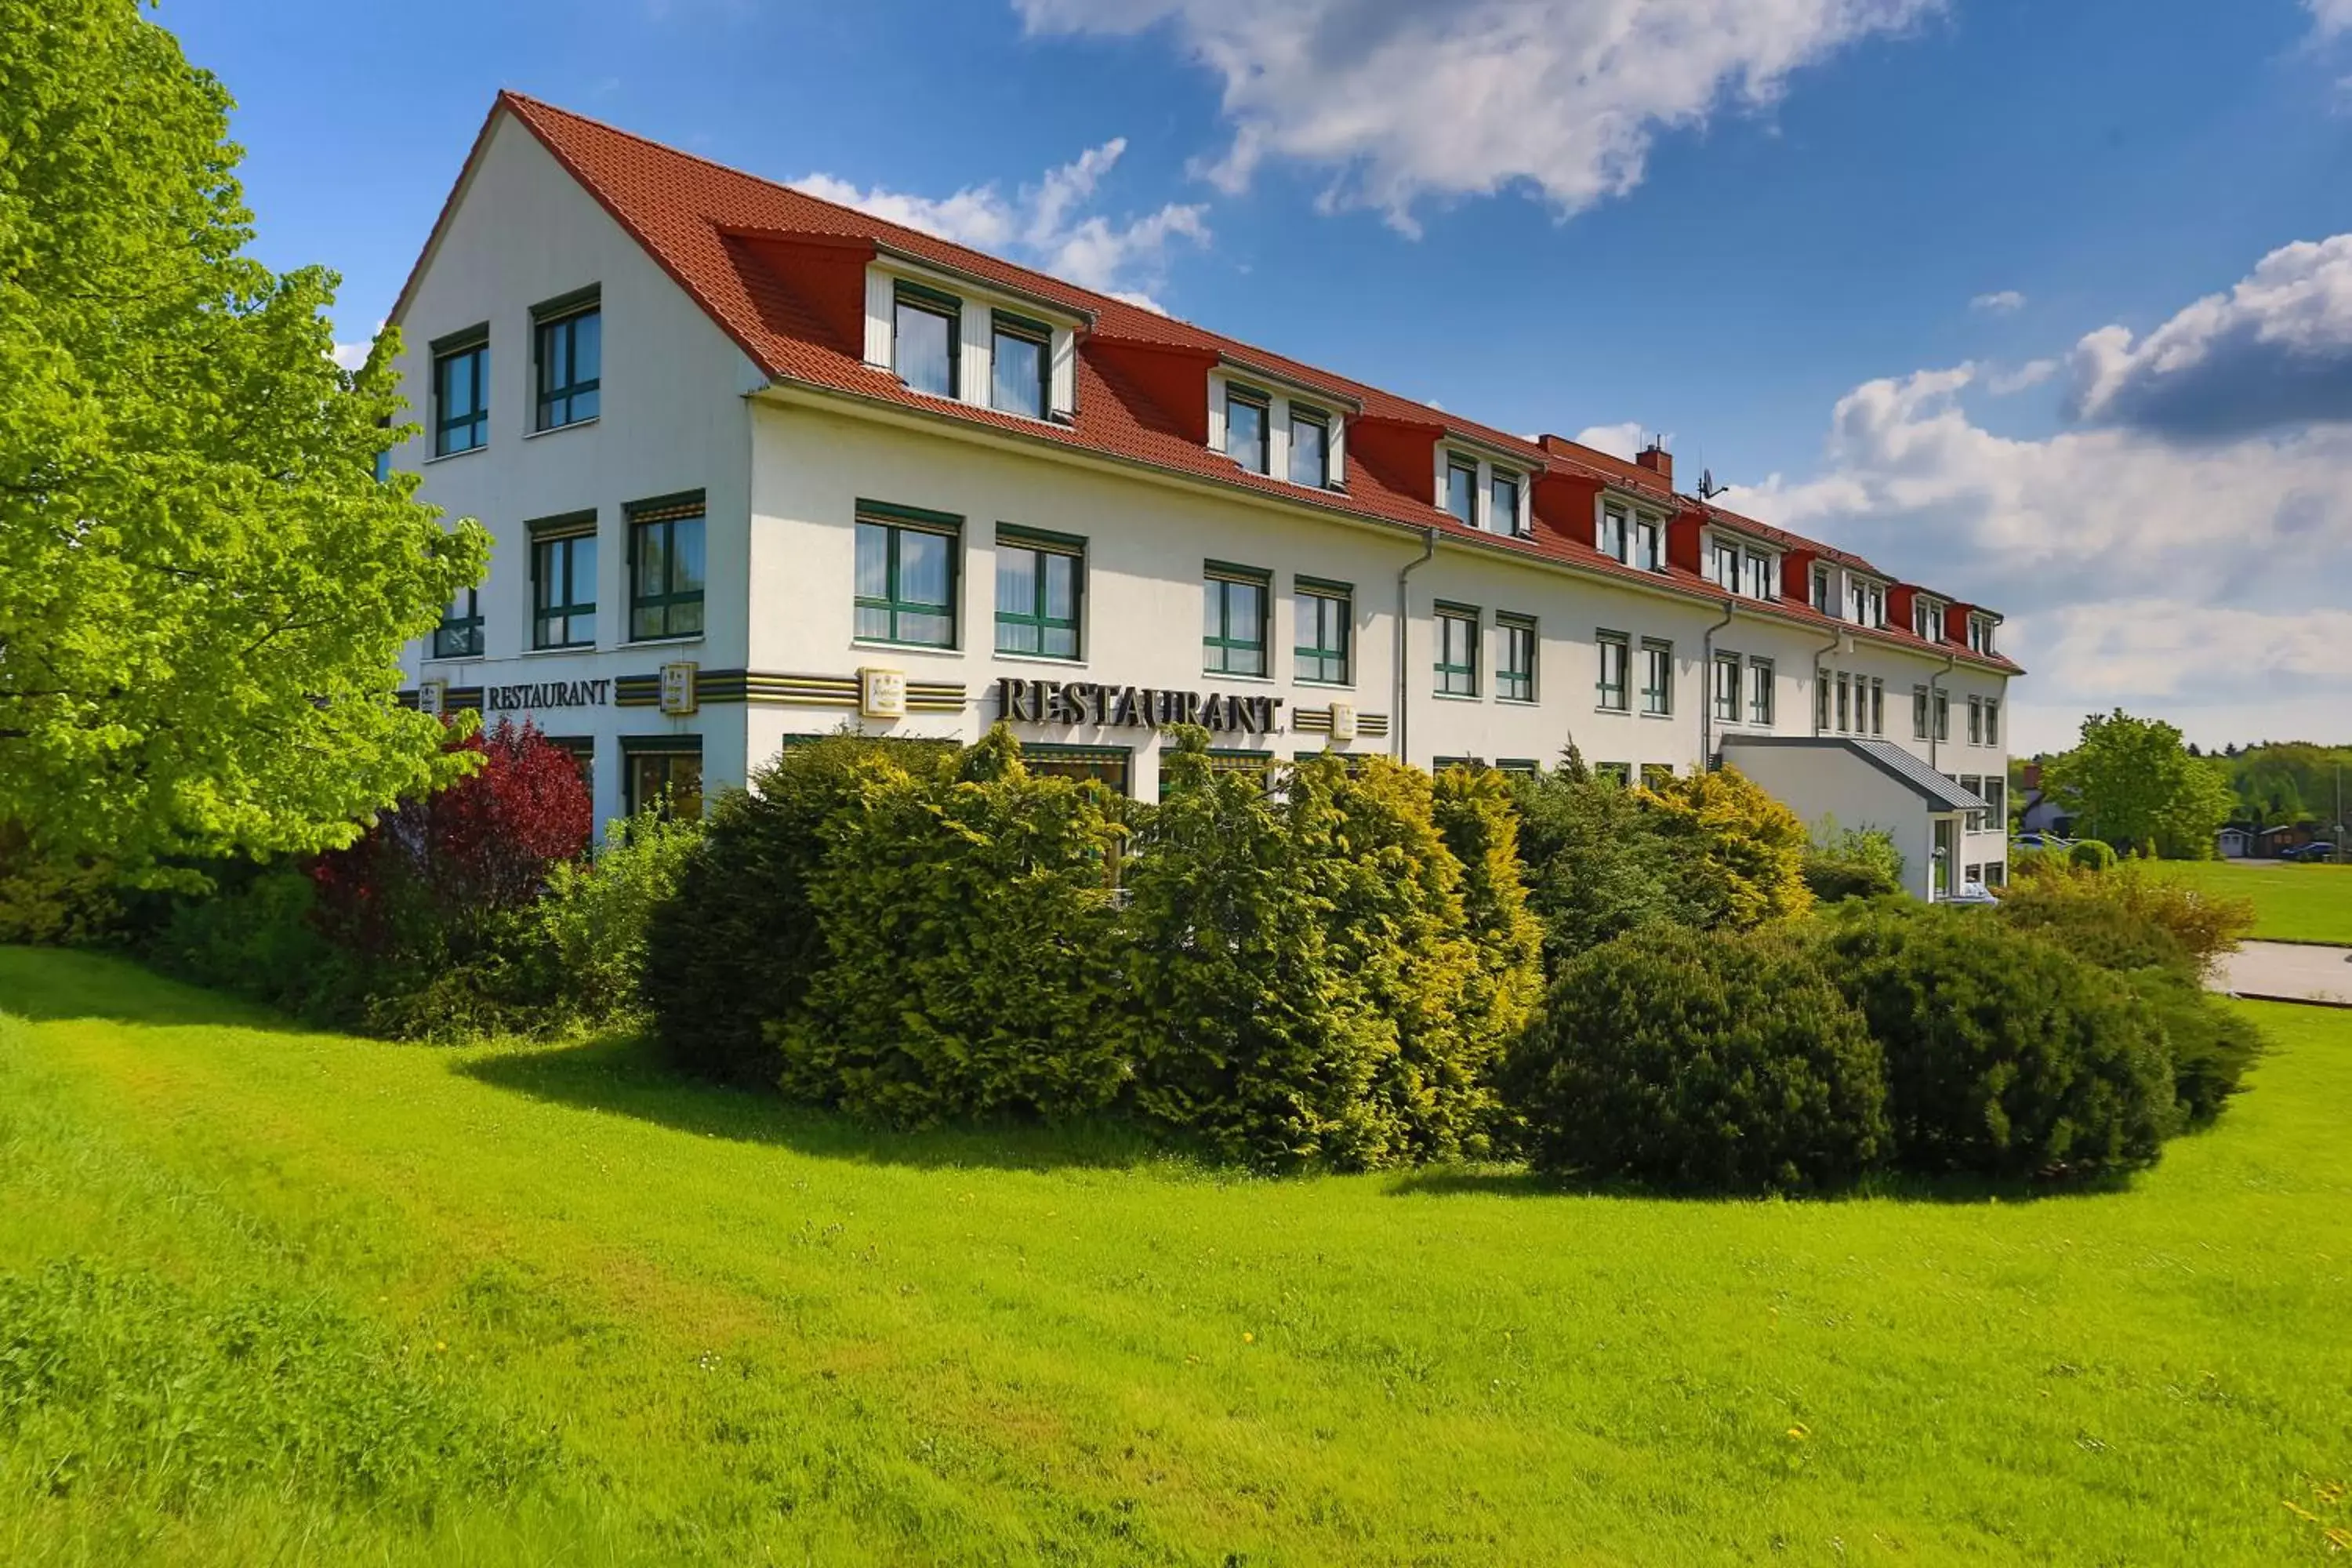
x: 828, y: 299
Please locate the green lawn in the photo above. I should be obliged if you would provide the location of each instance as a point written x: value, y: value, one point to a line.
x: 337, y: 1301
x: 2292, y: 902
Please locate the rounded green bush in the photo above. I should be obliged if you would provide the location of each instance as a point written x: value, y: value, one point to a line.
x: 2005, y: 1054
x: 2093, y: 855
x: 1719, y: 1062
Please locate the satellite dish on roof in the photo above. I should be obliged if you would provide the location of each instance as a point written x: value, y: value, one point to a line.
x: 1708, y: 488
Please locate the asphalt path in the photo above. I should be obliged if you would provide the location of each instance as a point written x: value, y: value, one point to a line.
x: 2287, y: 972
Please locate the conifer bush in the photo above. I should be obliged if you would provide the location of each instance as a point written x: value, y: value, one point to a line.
x: 1249, y: 1036
x: 1591, y: 858
x: 1476, y: 815
x: 739, y: 944
x: 967, y: 920
x: 1705, y: 1061
x: 1739, y: 854
x: 2006, y: 1055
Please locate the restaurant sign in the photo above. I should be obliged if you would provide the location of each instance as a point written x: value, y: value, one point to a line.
x: 1089, y: 703
x: 548, y: 694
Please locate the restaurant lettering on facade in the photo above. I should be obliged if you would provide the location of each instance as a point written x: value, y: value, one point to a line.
x: 548, y: 694
x: 1088, y: 702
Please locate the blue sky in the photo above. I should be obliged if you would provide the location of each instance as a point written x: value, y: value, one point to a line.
x: 1921, y: 277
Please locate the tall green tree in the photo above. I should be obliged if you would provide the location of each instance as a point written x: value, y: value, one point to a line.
x: 203, y: 587
x: 2133, y: 782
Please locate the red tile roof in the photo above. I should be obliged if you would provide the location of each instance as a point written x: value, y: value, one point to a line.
x: 775, y: 268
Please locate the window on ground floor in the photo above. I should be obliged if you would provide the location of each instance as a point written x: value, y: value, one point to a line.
x: 663, y: 773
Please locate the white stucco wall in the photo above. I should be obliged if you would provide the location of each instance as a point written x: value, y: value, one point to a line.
x: 1834, y: 782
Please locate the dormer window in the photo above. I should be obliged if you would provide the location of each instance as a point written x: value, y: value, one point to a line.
x: 1245, y: 427
x: 1503, y: 502
x: 1763, y: 575
x: 1723, y: 565
x: 1612, y: 539
x: 1462, y: 491
x: 926, y: 327
x: 1866, y: 602
x: 1310, y: 447
x: 1823, y: 599
x: 1980, y: 634
x: 1649, y: 543
x: 1927, y: 619
x: 1021, y: 358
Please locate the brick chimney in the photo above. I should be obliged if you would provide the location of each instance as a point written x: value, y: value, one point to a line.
x: 1658, y: 460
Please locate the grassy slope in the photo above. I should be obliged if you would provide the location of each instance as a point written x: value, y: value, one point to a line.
x: 765, y: 1336
x: 2292, y: 903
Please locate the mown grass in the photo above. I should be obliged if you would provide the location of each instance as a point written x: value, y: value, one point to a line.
x: 2292, y: 902
x: 548, y: 1305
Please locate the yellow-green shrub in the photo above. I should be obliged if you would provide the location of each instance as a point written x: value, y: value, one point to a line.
x: 1740, y: 853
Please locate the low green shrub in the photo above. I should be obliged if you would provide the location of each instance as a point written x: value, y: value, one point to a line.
x: 588, y: 929
x: 1718, y: 1061
x: 967, y: 917
x: 2005, y: 1054
x: 2091, y: 855
x: 1852, y: 863
x: 2210, y: 1043
x: 2130, y: 916
x: 48, y: 903
x: 255, y: 936
x: 738, y: 946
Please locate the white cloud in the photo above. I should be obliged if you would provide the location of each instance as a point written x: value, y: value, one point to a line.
x: 1617, y: 440
x: 2007, y: 301
x: 350, y: 357
x: 2330, y: 17
x: 2198, y: 581
x: 2276, y: 350
x: 1448, y: 98
x: 1043, y: 223
x: 2032, y: 373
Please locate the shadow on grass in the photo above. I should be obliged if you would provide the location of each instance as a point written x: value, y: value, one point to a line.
x: 59, y: 984
x: 623, y: 1075
x: 1513, y: 1182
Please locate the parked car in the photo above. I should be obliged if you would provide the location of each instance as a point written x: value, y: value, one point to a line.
x: 2042, y: 841
x: 2318, y: 851
x: 1972, y: 893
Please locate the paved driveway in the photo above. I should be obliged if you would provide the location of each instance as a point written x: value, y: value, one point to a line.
x: 2288, y: 971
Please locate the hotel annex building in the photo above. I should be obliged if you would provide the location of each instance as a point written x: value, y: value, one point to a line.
x: 759, y: 466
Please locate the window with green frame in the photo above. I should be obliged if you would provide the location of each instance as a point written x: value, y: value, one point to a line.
x: 926, y: 339
x: 907, y: 575
x: 569, y: 349
x: 1457, y: 650
x: 461, y: 393
x: 1039, y: 579
x: 1232, y: 619
x: 564, y: 582
x: 666, y: 568
x: 1247, y: 414
x: 1657, y: 677
x: 1514, y: 673
x: 1326, y: 632
x: 459, y: 634
x: 1616, y: 658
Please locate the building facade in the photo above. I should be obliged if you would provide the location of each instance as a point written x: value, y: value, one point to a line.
x: 759, y: 467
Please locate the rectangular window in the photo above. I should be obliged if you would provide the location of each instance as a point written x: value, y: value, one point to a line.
x: 1918, y: 712
x: 1844, y: 703
x: 1233, y: 620
x: 1724, y: 566
x: 1995, y: 795
x: 1246, y: 422
x: 1650, y: 544
x: 1503, y: 502
x: 1657, y: 775
x: 1821, y: 701
x: 1019, y: 361
x: 1657, y: 677
x: 1326, y: 614
x: 1975, y: 721
x: 1457, y: 650
x: 1616, y: 656
x: 1974, y: 785
x: 663, y: 775
x: 1980, y: 634
x: 1514, y: 673
x: 1760, y: 696
x: 665, y: 569
x: 1877, y: 706
x: 1925, y: 624
x: 907, y: 575
x: 461, y: 396
x: 1761, y: 578
x: 459, y: 634
x: 1821, y: 590
x: 568, y: 353
x: 1310, y: 447
x: 1614, y: 542
x: 1992, y: 722
x: 1727, y: 688
x: 1943, y: 716
x: 563, y: 583
x: 1461, y: 491
x: 1039, y: 578
x: 1618, y: 774
x: 926, y: 334
x: 1112, y: 766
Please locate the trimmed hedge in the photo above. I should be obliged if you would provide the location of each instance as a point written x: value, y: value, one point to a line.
x: 2005, y: 1054
x: 1711, y: 1061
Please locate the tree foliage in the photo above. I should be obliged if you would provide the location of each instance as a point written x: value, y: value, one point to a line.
x: 1738, y: 854
x: 1593, y: 868
x: 204, y: 589
x: 2133, y: 784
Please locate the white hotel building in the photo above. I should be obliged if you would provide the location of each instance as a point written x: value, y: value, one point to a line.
x: 758, y: 466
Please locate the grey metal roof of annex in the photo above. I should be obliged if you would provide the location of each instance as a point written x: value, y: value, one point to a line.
x: 1887, y: 758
